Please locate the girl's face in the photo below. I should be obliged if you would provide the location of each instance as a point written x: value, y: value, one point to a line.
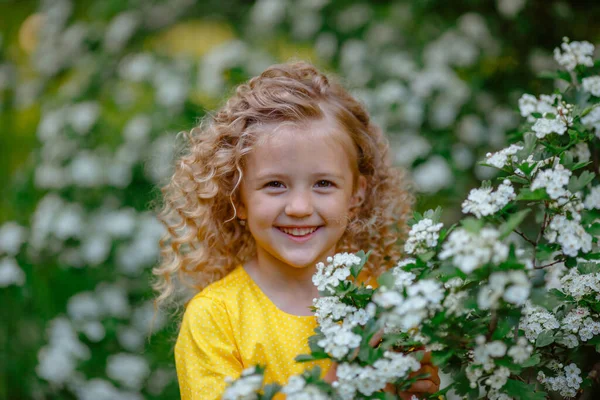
x: 297, y: 193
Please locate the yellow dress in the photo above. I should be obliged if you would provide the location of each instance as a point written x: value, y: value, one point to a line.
x: 232, y: 325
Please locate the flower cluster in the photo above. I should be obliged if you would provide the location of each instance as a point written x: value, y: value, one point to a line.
x: 470, y: 250
x: 298, y: 389
x: 245, y: 387
x: 500, y: 158
x: 408, y: 311
x: 512, y: 286
x: 338, y: 269
x: 353, y: 378
x: 574, y: 54
x: 484, y: 201
x: 536, y: 320
x: 566, y: 382
x: 554, y: 182
x: 422, y: 236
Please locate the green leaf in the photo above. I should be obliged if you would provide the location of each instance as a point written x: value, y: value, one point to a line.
x: 318, y: 355
x: 593, y: 229
x: 590, y: 256
x: 505, y: 325
x: 517, y: 179
x: 588, y: 268
x: 527, y: 194
x: 523, y: 391
x: 580, y: 165
x: 472, y: 225
x: 356, y: 268
x: 578, y: 183
x: 532, y: 361
x: 544, y: 339
x: 589, y: 110
x: 512, y: 223
x: 427, y: 256
x: 441, y: 357
x: 434, y: 215
x: 271, y: 390
x: 386, y: 279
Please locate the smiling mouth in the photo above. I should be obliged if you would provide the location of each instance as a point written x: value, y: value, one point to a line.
x: 298, y: 232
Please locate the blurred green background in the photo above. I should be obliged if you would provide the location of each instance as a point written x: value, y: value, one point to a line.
x: 92, y: 94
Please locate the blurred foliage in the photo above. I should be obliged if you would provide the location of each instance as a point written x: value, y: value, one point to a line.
x: 442, y: 78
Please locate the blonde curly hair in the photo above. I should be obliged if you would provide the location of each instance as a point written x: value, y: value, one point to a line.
x: 205, y: 241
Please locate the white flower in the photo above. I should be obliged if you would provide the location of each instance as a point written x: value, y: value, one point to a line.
x: 592, y: 85
x: 535, y: 320
x: 422, y: 236
x: 545, y: 126
x: 86, y: 169
x: 296, y: 389
x: 58, y: 359
x: 569, y: 234
x: 244, y: 388
x: 509, y: 9
x: 94, y: 331
x: 498, y: 378
x: 352, y: 378
x: 483, y: 201
x: 120, y: 30
x: 128, y: 369
x: 500, y: 158
x: 12, y: 236
x: 521, y: 351
x: 567, y: 382
x: 83, y: 116
x: 10, y: 273
x: 84, y: 306
x: 554, y: 181
x: 339, y: 339
x: 578, y: 285
x: 329, y: 276
x: 433, y: 175
x: 592, y: 120
x: 513, y: 286
x: 472, y: 250
x: 592, y: 201
x: 330, y: 307
x: 528, y: 105
x: 574, y: 53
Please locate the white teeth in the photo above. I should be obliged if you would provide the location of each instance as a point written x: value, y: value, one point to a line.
x: 298, y: 231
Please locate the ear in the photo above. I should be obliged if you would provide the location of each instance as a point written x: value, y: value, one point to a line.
x: 358, y: 198
x: 240, y: 207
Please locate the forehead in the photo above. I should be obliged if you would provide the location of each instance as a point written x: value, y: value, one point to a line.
x: 302, y: 146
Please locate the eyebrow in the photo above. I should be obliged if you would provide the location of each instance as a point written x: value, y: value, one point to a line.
x: 276, y: 175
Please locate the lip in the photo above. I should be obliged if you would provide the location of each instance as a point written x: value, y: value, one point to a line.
x: 299, y: 239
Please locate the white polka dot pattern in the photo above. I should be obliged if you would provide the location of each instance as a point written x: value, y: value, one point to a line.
x: 232, y: 325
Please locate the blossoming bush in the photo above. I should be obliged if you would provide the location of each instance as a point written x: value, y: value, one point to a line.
x: 508, y: 299
x: 101, y: 88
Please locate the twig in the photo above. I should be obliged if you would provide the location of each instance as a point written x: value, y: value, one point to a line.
x: 547, y: 265
x: 525, y: 237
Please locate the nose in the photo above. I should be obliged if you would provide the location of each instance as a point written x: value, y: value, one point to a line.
x: 300, y: 204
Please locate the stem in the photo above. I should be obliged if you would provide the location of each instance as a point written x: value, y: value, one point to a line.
x: 595, y: 159
x: 525, y: 237
x: 493, y: 325
x: 547, y: 265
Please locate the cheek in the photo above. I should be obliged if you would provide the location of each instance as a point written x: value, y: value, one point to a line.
x: 336, y: 210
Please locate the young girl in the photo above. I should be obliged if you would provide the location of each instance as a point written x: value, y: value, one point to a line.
x: 290, y: 171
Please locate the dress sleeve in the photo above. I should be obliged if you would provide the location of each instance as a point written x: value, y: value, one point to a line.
x: 205, y: 352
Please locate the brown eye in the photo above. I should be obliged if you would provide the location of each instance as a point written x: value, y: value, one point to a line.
x: 325, y: 183
x: 274, y: 184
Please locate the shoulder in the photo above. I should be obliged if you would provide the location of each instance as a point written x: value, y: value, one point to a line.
x: 219, y: 295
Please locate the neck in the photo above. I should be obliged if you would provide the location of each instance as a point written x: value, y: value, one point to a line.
x: 281, y: 276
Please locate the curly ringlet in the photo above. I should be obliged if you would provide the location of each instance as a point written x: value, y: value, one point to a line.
x: 205, y: 240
